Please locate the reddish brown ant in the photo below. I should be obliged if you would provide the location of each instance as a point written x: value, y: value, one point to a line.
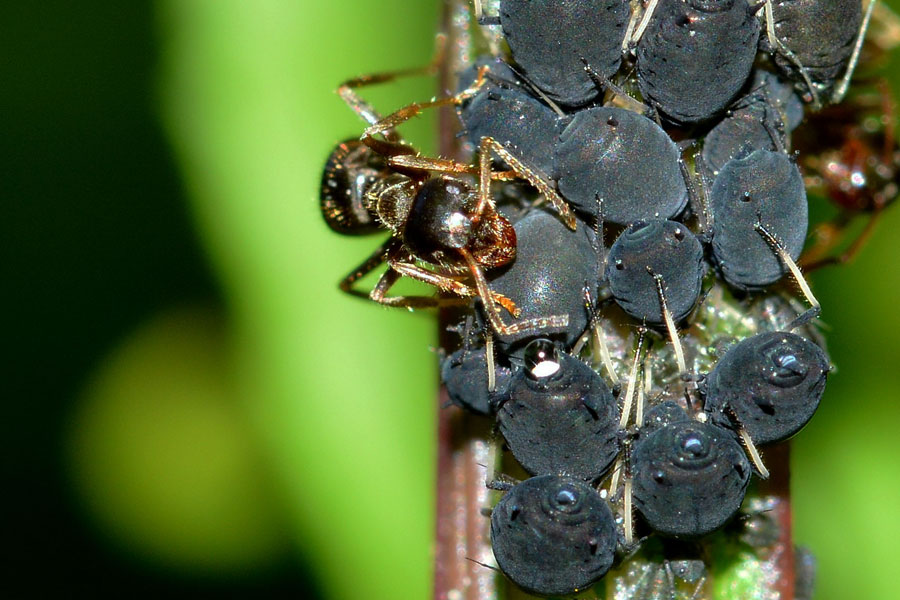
x: 434, y: 216
x: 851, y: 155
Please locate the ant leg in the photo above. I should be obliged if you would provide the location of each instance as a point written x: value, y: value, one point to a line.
x: 777, y: 44
x: 443, y: 165
x: 442, y: 282
x: 855, y: 246
x: 493, y: 315
x: 670, y: 322
x: 376, y: 259
x: 363, y: 108
x: 841, y: 89
x: 534, y: 177
x: 632, y: 380
x: 815, y: 307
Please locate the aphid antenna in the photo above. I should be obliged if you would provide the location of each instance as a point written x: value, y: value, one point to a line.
x: 629, y: 30
x: 614, y: 479
x: 642, y: 27
x: 632, y: 379
x: 642, y: 390
x: 537, y: 91
x: 669, y: 321
x: 812, y: 94
x: 841, y: 89
x: 483, y: 19
x: 815, y: 308
x: 597, y: 334
x: 605, y: 84
x: 747, y: 443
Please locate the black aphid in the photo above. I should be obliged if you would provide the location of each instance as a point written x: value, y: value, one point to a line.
x: 763, y: 191
x: 761, y: 120
x: 689, y: 477
x: 771, y: 383
x: 523, y: 124
x: 553, y: 536
x: 465, y: 373
x: 549, y: 39
x: 813, y: 41
x: 558, y: 416
x: 696, y: 56
x: 649, y: 248
x: 552, y: 266
x: 622, y: 162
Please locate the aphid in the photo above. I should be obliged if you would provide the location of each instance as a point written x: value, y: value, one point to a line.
x: 553, y: 536
x: 558, y: 416
x: 770, y: 383
x: 622, y: 159
x: 551, y: 268
x: 816, y: 42
x: 764, y: 190
x: 549, y: 39
x: 761, y: 120
x: 695, y: 56
x: 650, y: 249
x: 434, y: 219
x: 520, y: 122
x: 467, y: 374
x: 689, y: 477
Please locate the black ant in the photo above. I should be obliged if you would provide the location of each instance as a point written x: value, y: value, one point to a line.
x: 429, y: 206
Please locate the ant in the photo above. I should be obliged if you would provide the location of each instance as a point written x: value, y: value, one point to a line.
x: 853, y: 159
x: 434, y: 216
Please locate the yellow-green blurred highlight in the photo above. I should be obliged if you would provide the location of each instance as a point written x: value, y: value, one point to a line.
x: 340, y: 393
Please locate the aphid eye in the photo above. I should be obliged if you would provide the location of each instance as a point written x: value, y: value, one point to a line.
x: 746, y: 197
x: 541, y: 359
x: 620, y: 266
x: 612, y: 122
x: 679, y: 234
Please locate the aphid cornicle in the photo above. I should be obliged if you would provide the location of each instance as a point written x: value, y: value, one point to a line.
x: 620, y: 162
x: 689, y: 477
x: 771, y: 383
x: 465, y: 373
x: 553, y: 536
x: 653, y: 248
x: 549, y: 39
x: 695, y: 56
x: 558, y: 416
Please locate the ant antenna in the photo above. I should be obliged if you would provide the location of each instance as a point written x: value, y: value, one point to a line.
x: 670, y: 323
x: 778, y: 248
x: 632, y: 379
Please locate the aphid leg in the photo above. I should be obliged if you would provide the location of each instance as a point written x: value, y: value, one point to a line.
x: 632, y: 379
x: 669, y: 321
x: 364, y: 109
x: 841, y: 89
x: 645, y: 20
x: 748, y: 444
x: 778, y: 248
x: 614, y: 478
x: 442, y: 282
x: 629, y: 30
x: 698, y: 591
x: 639, y: 410
x: 489, y: 356
x: 502, y: 483
x: 698, y: 199
x: 813, y: 95
x: 605, y: 84
x: 493, y: 315
x: 534, y: 177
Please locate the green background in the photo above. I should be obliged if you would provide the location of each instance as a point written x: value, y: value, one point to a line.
x: 191, y: 407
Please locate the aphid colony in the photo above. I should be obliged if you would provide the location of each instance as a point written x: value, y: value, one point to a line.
x: 615, y: 381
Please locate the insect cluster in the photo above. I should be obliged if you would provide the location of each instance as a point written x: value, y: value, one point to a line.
x: 620, y: 256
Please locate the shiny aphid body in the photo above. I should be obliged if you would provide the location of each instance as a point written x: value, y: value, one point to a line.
x: 550, y: 39
x: 695, y: 57
x: 613, y: 389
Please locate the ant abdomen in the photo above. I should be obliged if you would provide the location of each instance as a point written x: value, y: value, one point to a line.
x: 350, y: 172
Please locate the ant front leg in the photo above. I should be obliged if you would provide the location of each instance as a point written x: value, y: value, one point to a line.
x: 365, y: 110
x: 534, y: 177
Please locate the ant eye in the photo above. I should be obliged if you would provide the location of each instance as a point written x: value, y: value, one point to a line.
x: 541, y: 359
